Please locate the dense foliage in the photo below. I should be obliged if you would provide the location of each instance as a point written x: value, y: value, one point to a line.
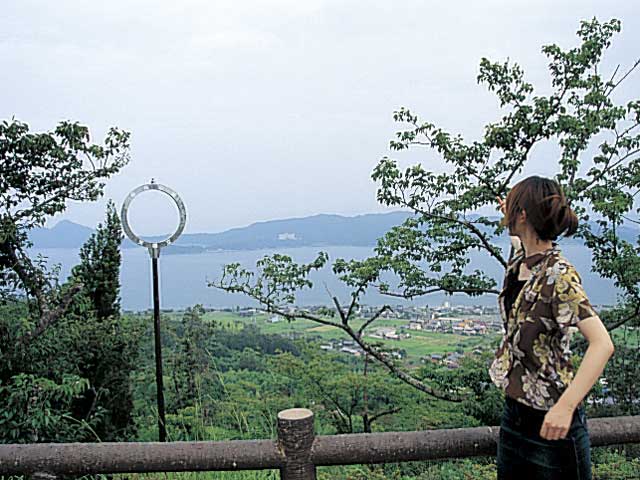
x: 72, y: 382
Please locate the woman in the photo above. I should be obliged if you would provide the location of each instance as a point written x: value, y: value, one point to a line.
x: 543, y: 433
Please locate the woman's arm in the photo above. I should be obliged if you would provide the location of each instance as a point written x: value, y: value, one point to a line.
x: 558, y: 419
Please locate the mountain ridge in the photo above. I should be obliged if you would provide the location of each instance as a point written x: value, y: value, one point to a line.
x: 315, y: 230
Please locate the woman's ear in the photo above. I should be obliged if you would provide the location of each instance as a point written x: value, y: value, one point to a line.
x: 522, y: 216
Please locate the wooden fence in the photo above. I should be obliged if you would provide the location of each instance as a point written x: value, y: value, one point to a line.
x: 296, y: 452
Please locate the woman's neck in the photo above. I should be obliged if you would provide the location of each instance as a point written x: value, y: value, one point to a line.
x: 531, y: 247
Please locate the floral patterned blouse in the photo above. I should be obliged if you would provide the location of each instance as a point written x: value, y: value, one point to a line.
x: 533, y: 363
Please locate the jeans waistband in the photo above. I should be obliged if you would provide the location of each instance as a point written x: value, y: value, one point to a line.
x: 528, y: 420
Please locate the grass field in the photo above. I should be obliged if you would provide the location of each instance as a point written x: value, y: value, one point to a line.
x: 420, y: 343
x: 632, y: 336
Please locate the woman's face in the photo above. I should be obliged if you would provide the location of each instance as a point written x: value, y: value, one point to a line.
x: 514, y: 230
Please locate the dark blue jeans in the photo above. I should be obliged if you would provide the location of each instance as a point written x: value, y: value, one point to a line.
x: 524, y: 455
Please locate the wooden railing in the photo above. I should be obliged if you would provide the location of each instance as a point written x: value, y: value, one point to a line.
x: 296, y: 452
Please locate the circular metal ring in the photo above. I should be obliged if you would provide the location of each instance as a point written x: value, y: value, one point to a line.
x: 161, y: 188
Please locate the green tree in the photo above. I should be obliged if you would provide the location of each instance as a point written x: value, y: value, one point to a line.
x: 42, y: 324
x: 40, y: 173
x: 430, y: 251
x: 354, y: 394
x: 484, y: 402
x: 99, y: 268
x: 190, y: 357
x: 37, y: 409
x: 93, y: 350
x: 105, y: 350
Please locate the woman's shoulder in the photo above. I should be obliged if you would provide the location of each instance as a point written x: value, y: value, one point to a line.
x: 559, y: 274
x: 557, y: 264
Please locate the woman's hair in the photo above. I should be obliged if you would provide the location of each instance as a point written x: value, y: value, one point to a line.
x: 547, y: 209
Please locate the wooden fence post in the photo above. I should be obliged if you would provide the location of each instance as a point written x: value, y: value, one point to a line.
x: 295, y: 437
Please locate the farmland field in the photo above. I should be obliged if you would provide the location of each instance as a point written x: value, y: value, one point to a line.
x: 418, y: 345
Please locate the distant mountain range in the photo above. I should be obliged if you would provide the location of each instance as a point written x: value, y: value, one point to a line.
x: 316, y: 230
x: 64, y: 234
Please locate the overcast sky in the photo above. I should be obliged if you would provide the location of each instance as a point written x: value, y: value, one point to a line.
x: 257, y: 110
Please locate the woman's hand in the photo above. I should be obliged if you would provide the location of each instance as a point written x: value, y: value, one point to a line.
x: 556, y: 422
x: 502, y: 205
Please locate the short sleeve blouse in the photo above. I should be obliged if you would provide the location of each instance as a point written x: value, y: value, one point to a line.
x: 533, y: 363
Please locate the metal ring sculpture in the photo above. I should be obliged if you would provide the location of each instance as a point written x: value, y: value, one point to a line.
x: 154, y: 247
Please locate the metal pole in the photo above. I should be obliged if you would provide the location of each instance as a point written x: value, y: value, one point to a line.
x: 154, y: 252
x: 162, y: 428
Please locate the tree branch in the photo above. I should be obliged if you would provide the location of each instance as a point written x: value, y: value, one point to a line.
x: 627, y: 73
x: 440, y: 289
x: 391, y: 411
x: 378, y: 355
x: 466, y: 223
x: 624, y: 320
x: 372, y: 319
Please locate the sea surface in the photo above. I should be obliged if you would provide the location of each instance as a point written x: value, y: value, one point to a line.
x: 184, y: 278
